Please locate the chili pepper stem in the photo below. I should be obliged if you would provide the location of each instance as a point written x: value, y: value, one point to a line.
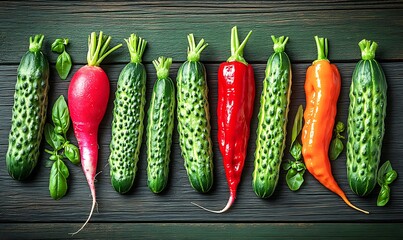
x: 322, y: 47
x: 236, y: 48
x: 228, y: 206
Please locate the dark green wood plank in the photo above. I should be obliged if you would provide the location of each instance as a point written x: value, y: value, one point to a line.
x: 30, y: 202
x: 27, y: 211
x: 165, y: 25
x: 204, y: 231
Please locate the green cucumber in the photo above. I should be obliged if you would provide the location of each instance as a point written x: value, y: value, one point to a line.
x: 366, y: 120
x: 272, y: 120
x: 128, y: 115
x: 29, y: 111
x: 160, y: 126
x: 194, y: 118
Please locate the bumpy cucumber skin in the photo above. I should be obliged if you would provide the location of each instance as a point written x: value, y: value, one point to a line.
x: 272, y: 123
x: 127, y: 126
x: 29, y: 114
x: 159, y: 133
x: 365, y: 125
x: 194, y: 125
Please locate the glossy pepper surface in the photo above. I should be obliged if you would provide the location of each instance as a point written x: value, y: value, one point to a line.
x: 322, y: 89
x: 236, y: 92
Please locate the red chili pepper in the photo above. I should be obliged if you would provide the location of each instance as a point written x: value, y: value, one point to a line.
x: 236, y: 93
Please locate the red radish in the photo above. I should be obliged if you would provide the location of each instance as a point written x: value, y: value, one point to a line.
x: 87, y: 100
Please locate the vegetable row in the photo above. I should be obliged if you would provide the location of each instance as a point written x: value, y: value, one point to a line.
x: 88, y: 95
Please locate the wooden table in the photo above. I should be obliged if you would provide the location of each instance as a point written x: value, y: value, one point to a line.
x: 26, y: 209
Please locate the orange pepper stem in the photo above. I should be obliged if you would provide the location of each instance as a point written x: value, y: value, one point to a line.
x: 322, y: 46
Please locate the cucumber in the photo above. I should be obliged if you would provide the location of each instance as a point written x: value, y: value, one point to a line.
x: 194, y: 118
x: 29, y: 111
x: 366, y: 120
x: 128, y: 115
x: 160, y: 126
x: 272, y: 120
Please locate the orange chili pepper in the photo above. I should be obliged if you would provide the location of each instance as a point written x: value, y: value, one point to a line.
x: 322, y: 89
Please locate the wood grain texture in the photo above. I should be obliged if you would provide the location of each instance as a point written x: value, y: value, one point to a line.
x: 204, y: 231
x: 27, y: 211
x: 312, y: 203
x: 165, y: 25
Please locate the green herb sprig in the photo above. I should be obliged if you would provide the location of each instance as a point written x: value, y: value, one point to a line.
x: 336, y: 145
x: 56, y: 137
x: 295, y: 168
x: 63, y: 62
x: 386, y: 175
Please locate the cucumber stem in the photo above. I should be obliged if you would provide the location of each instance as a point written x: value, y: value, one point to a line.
x: 35, y: 43
x: 236, y: 48
x: 322, y: 46
x: 193, y: 50
x: 136, y: 46
x: 279, y: 43
x: 162, y: 65
x: 368, y: 49
x: 98, y: 50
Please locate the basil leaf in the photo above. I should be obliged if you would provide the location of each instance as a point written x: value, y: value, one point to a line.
x: 386, y: 175
x: 57, y: 180
x: 383, y: 197
x: 54, y: 157
x: 72, y: 153
x: 61, y: 115
x: 63, y: 65
x: 299, y: 166
x: 65, y: 41
x: 49, y: 131
x: 336, y: 147
x: 287, y: 165
x: 55, y: 140
x: 59, y: 141
x: 58, y: 45
x: 294, y: 179
x: 340, y: 127
x: 49, y: 163
x: 390, y: 177
x: 297, y: 126
x: 296, y: 151
x: 385, y: 168
x: 63, y: 169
